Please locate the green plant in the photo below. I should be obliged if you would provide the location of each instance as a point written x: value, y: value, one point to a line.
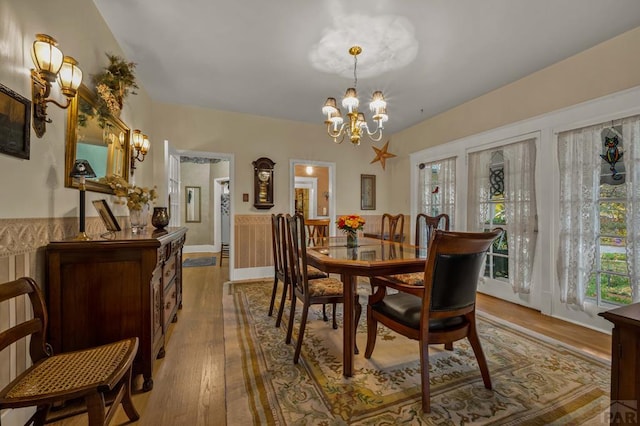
x: 114, y: 84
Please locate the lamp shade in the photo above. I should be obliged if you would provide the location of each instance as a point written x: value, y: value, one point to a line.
x: 82, y: 168
x: 69, y: 77
x: 46, y: 56
x: 145, y: 144
x: 137, y: 139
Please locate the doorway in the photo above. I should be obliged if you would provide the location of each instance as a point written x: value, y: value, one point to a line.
x: 312, y: 184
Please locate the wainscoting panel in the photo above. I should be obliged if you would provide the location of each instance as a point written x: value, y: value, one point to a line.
x: 253, y: 241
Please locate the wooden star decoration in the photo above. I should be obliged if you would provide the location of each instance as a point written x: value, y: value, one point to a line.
x: 382, y: 155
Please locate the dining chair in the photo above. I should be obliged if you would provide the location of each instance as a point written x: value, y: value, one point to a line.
x: 443, y: 309
x: 395, y: 226
x: 53, y: 379
x: 309, y: 291
x: 280, y: 265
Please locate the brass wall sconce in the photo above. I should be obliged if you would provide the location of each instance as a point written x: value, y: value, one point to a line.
x: 140, y: 146
x: 51, y: 64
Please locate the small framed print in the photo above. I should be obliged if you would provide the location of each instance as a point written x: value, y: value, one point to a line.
x: 15, y: 123
x: 367, y: 192
x: 106, y: 215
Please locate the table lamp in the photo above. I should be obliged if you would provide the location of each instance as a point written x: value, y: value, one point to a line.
x: 82, y: 170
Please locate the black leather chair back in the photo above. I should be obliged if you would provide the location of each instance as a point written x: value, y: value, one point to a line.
x: 453, y: 268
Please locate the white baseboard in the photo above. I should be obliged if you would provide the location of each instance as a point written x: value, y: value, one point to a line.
x: 252, y: 273
x: 199, y: 249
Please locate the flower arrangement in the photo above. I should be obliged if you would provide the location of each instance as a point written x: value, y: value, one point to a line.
x: 350, y: 224
x: 137, y: 197
x: 114, y: 84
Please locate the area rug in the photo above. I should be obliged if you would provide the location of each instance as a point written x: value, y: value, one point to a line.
x: 199, y: 261
x: 536, y: 381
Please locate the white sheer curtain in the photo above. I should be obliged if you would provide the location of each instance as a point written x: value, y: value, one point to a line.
x: 438, y: 192
x: 519, y: 205
x: 478, y: 191
x: 579, y: 162
x: 520, y: 211
x: 631, y: 160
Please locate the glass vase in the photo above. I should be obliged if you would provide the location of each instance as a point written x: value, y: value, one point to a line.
x: 139, y: 219
x: 352, y: 239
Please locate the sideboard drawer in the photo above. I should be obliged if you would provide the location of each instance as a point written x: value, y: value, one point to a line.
x: 169, y: 270
x: 170, y: 304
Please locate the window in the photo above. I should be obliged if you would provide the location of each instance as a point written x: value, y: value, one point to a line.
x: 610, y: 281
x: 437, y: 188
x: 598, y: 258
x: 501, y: 193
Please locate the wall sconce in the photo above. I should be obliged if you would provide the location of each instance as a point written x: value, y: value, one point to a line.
x: 51, y: 64
x: 140, y: 144
x: 82, y: 170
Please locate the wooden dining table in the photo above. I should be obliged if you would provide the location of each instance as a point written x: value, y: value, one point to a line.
x: 370, y: 258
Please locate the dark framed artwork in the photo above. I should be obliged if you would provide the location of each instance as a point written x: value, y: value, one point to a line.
x: 106, y: 215
x: 15, y: 123
x: 367, y: 192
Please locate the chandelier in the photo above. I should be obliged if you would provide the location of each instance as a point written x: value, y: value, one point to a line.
x: 356, y: 126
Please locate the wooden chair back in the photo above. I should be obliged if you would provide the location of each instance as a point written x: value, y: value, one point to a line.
x: 35, y: 327
x: 296, y: 249
x: 425, y: 225
x: 277, y: 243
x: 392, y: 227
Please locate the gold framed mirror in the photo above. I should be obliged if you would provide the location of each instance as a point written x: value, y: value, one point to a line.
x: 104, y: 144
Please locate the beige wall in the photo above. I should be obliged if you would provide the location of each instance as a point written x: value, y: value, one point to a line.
x: 35, y: 187
x: 607, y: 68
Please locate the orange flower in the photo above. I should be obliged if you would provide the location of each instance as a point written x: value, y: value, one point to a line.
x: 350, y: 223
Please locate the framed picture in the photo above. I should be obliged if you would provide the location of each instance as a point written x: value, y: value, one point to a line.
x: 106, y: 215
x: 367, y: 192
x: 15, y: 123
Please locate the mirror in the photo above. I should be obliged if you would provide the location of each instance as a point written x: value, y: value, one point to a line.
x: 104, y: 145
x: 192, y: 203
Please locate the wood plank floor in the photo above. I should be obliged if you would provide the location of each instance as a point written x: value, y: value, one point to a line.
x: 189, y: 380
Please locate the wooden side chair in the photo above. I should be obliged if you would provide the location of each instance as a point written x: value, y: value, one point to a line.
x: 309, y: 291
x: 280, y: 266
x: 392, y: 228
x: 443, y: 309
x: 425, y: 226
x: 52, y: 379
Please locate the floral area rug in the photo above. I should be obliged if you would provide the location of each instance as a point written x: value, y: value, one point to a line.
x: 536, y: 381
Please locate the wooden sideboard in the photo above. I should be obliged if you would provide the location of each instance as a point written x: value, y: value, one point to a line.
x: 108, y: 289
x: 625, y: 363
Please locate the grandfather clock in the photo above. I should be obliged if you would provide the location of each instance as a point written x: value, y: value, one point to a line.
x: 263, y: 183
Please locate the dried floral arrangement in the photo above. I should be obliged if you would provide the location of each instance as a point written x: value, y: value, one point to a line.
x: 136, y: 196
x: 114, y: 84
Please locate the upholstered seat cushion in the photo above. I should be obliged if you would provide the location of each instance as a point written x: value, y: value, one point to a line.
x: 405, y: 308
x: 325, y: 287
x: 414, y: 278
x: 314, y: 273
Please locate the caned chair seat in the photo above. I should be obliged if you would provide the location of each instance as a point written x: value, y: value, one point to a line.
x: 54, y: 379
x: 325, y: 287
x: 72, y: 371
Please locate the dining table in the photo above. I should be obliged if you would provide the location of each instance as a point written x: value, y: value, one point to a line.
x: 371, y: 257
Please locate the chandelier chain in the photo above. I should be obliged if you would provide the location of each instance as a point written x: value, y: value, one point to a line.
x: 355, y: 75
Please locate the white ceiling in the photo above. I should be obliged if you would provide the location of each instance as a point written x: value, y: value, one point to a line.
x: 257, y: 57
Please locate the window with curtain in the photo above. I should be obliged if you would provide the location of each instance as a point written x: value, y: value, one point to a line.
x: 501, y: 193
x: 437, y: 188
x: 599, y: 256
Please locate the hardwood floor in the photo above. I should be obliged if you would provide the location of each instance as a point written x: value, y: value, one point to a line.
x: 189, y: 380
